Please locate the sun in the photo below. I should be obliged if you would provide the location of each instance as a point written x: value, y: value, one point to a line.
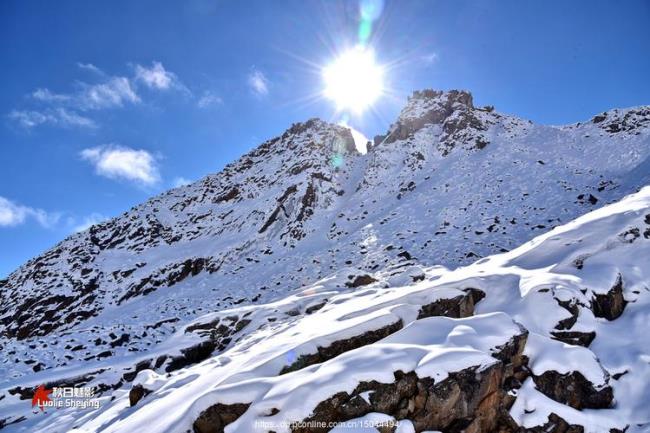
x: 354, y: 81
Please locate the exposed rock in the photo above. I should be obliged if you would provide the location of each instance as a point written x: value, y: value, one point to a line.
x: 458, y: 307
x: 76, y: 381
x: 471, y: 400
x: 342, y: 346
x: 142, y: 365
x: 610, y: 305
x: 439, y: 106
x: 468, y: 400
x: 576, y: 338
x: 215, y: 418
x: 574, y: 390
x: 360, y: 280
x: 191, y: 355
x: 137, y: 393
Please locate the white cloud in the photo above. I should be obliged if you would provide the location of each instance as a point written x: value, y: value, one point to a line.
x: 429, y: 58
x: 70, y: 118
x: 117, y: 162
x: 112, y: 93
x: 90, y: 220
x: 30, y: 119
x: 180, y: 181
x: 46, y: 95
x: 258, y: 83
x: 89, y: 67
x: 156, y: 77
x: 209, y: 99
x: 13, y: 214
x: 62, y: 109
x: 58, y: 117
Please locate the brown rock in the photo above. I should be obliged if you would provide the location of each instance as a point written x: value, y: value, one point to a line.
x: 215, y: 418
x: 360, y: 280
x: 574, y: 390
x: 610, y: 305
x: 137, y: 393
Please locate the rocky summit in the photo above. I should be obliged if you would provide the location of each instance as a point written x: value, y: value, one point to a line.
x: 466, y: 271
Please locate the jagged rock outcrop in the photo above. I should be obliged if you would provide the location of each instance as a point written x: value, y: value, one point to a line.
x: 611, y: 304
x: 215, y: 418
x: 137, y: 393
x: 574, y: 390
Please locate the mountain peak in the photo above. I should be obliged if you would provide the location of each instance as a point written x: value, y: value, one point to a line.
x: 314, y: 134
x: 453, y: 110
x: 448, y: 97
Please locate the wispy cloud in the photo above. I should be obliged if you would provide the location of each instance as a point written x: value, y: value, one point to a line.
x: 118, y: 162
x: 47, y: 96
x: 62, y: 109
x: 429, y: 58
x: 258, y: 83
x: 89, y: 221
x: 90, y: 67
x: 180, y: 181
x: 29, y: 119
x: 57, y: 117
x: 13, y: 214
x: 209, y: 99
x: 70, y: 118
x: 156, y: 77
x: 113, y: 93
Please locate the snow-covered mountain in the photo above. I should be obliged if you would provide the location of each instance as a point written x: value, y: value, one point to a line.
x: 313, y: 264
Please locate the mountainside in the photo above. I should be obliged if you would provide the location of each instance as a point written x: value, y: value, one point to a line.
x: 447, y: 185
x: 549, y: 337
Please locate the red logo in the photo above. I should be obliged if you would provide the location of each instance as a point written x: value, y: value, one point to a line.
x: 41, y: 396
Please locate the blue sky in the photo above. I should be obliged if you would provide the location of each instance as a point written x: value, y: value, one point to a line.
x: 107, y: 103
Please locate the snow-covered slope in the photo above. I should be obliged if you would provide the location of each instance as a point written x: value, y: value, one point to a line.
x: 551, y: 336
x: 448, y: 184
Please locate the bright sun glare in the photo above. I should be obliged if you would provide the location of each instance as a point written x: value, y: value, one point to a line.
x: 354, y: 81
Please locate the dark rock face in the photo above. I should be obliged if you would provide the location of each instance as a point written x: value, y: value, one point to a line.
x: 218, y: 334
x: 360, y: 280
x: 574, y: 390
x: 563, y: 332
x: 469, y: 400
x: 453, y: 110
x: 576, y: 338
x: 137, y: 393
x: 215, y: 418
x: 342, y: 346
x: 458, y: 307
x: 170, y: 275
x: 76, y: 381
x: 404, y: 128
x: 610, y: 305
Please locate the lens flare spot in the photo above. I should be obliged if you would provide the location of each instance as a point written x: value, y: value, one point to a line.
x: 336, y: 160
